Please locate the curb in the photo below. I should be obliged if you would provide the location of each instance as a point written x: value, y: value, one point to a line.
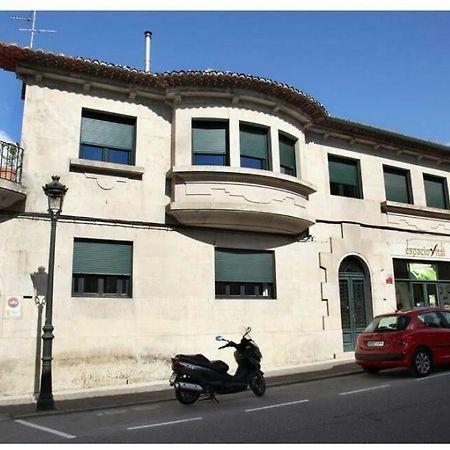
x: 164, y: 395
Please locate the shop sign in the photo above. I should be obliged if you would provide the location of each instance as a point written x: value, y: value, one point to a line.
x: 428, y: 252
x: 13, y: 306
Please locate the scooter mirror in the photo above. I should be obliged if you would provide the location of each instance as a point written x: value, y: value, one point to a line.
x: 219, y: 338
x: 248, y: 329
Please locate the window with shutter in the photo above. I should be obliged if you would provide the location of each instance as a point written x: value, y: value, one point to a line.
x: 244, y: 274
x: 436, y: 191
x: 397, y: 185
x: 287, y: 155
x: 210, y: 143
x: 345, y: 179
x: 106, y: 137
x: 102, y: 268
x: 254, y: 147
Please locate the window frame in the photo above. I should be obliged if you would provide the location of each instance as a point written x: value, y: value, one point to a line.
x: 266, y: 162
x: 123, y: 286
x: 443, y: 183
x: 242, y: 286
x: 294, y: 140
x: 105, y: 150
x: 124, y: 283
x: 331, y: 157
x: 226, y: 156
x: 399, y: 171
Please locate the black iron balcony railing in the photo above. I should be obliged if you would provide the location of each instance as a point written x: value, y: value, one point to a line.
x: 11, y: 156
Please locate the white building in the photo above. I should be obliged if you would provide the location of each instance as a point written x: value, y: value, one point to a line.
x: 200, y: 202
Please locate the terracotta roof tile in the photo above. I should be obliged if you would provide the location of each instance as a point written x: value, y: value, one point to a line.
x: 12, y: 55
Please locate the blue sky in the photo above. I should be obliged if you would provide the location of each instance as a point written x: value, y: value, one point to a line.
x: 386, y: 69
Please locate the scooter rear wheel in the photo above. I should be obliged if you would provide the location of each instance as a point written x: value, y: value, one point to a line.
x: 186, y: 397
x: 258, y: 385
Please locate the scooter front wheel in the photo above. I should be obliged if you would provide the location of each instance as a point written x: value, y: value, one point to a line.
x: 186, y: 397
x: 258, y: 385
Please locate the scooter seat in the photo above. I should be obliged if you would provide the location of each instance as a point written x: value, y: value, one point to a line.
x: 218, y: 366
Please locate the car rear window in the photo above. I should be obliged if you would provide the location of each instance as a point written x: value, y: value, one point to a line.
x: 388, y: 323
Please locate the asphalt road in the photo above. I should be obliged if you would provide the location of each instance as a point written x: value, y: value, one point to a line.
x: 391, y: 407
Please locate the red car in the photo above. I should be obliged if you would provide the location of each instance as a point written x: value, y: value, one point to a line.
x: 416, y: 339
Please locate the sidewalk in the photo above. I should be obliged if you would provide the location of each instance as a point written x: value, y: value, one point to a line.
x: 122, y: 397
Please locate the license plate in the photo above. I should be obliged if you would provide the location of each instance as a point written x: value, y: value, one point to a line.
x: 173, y: 378
x: 375, y: 343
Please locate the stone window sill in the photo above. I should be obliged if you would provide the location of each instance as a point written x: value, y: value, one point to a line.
x: 414, y: 210
x: 106, y: 168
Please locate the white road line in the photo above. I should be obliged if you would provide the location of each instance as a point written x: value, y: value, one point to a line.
x: 365, y: 390
x: 48, y: 430
x: 433, y: 376
x: 164, y: 423
x: 276, y: 406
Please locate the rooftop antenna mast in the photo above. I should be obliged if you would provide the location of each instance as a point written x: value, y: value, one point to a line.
x: 33, y: 28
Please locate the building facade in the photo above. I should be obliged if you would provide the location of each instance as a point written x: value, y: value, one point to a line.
x: 199, y: 203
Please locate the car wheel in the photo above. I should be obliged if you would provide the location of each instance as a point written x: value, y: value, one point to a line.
x: 421, y: 363
x: 371, y: 370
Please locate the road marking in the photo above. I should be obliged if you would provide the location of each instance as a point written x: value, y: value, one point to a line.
x: 48, y: 430
x: 144, y: 407
x: 365, y: 390
x: 276, y: 406
x: 433, y: 376
x: 111, y: 412
x: 164, y: 423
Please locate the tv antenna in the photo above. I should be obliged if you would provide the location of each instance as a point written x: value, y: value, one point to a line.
x: 33, y: 28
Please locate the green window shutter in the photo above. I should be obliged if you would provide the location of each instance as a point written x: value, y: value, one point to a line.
x: 287, y: 152
x: 343, y: 171
x: 435, y: 192
x: 244, y: 266
x: 396, y: 185
x: 254, y: 142
x: 107, y: 132
x: 209, y: 137
x: 102, y: 257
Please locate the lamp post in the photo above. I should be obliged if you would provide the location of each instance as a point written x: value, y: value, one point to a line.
x: 55, y: 192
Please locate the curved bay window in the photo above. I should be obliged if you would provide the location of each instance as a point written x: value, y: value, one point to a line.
x: 210, y: 143
x: 254, y: 147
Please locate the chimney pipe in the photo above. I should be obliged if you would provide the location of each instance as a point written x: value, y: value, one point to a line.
x: 148, y: 37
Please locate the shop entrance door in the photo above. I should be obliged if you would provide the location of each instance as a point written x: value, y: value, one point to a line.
x: 355, y: 301
x: 424, y: 294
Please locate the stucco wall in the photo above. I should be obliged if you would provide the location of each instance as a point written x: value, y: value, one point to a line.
x: 104, y: 341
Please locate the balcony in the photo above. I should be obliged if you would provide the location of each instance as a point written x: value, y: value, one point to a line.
x: 239, y: 199
x: 11, y: 190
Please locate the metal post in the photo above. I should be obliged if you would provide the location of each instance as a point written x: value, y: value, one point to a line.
x: 148, y: 37
x: 33, y: 28
x: 45, y: 399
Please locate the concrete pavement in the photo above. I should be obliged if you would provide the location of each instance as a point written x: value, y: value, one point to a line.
x: 87, y: 400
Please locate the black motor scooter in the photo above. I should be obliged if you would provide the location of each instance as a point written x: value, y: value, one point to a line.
x: 195, y: 375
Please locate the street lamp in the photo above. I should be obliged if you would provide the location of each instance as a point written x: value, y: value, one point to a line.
x: 55, y: 192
